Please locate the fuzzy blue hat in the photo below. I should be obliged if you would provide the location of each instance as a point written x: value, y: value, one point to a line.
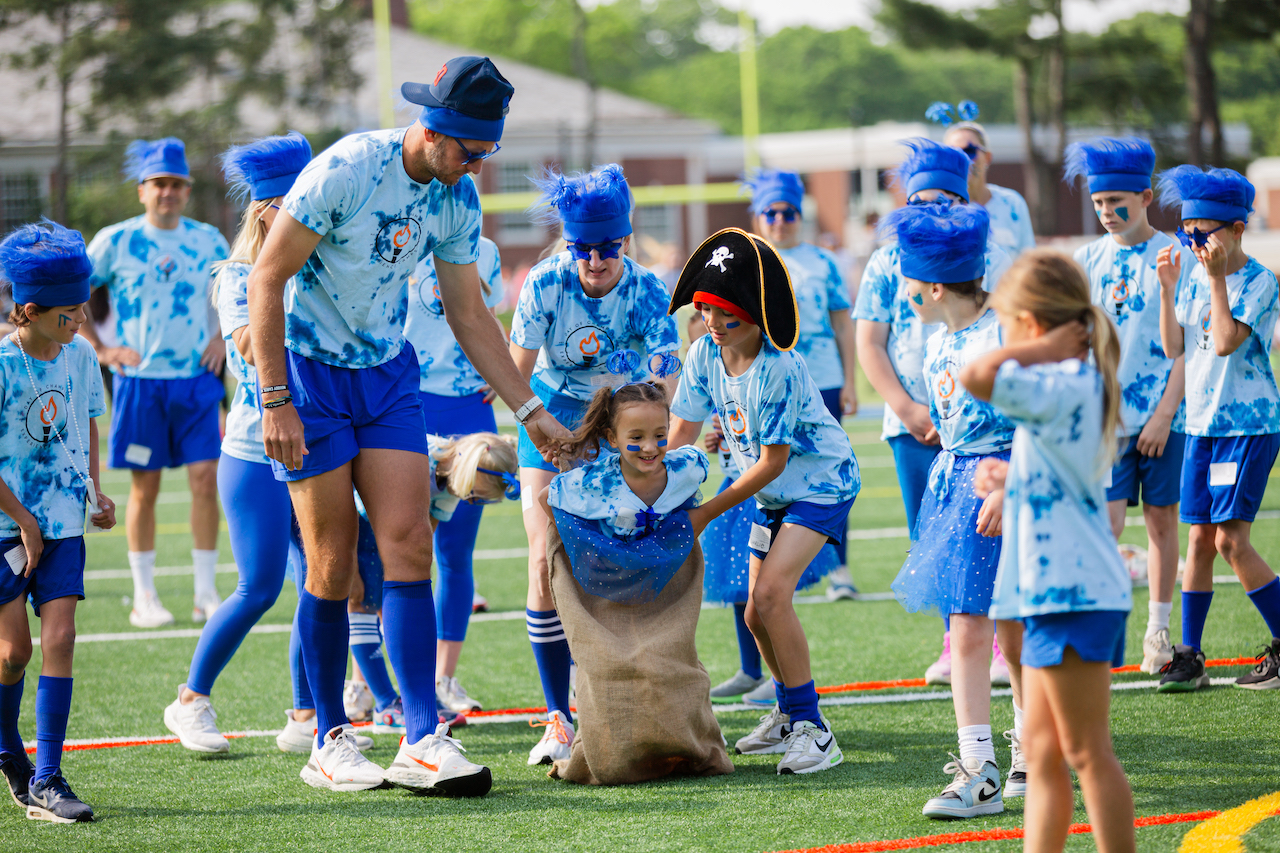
x: 163, y: 158
x: 769, y: 186
x: 47, y: 264
x: 1223, y: 195
x: 933, y: 166
x: 940, y: 242
x: 265, y: 168
x: 1123, y: 164
x: 594, y: 207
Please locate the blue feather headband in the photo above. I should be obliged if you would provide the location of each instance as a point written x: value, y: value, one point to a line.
x: 946, y: 115
x: 933, y: 166
x: 1223, y: 195
x: 265, y: 168
x: 1123, y: 164
x: 940, y: 242
x: 46, y: 264
x: 594, y: 207
x: 769, y: 186
x: 167, y: 157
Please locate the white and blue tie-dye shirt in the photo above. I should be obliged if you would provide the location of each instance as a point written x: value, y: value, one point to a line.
x: 243, y: 436
x: 882, y: 298
x: 820, y: 289
x: 1122, y: 280
x: 1058, y: 553
x: 774, y: 402
x: 45, y: 474
x: 443, y: 502
x: 1231, y: 394
x: 158, y: 280
x: 1010, y: 221
x: 598, y: 492
x: 966, y: 425
x: 347, y: 305
x: 575, y: 334
x: 445, y: 368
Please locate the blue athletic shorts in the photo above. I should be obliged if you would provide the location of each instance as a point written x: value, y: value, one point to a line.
x: 831, y: 519
x: 831, y: 399
x: 165, y: 423
x: 59, y: 573
x: 1096, y: 635
x: 1158, y: 476
x: 344, y: 411
x: 567, y: 410
x: 1224, y: 479
x: 447, y: 416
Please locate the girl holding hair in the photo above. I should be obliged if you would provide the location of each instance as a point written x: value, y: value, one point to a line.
x: 1060, y: 571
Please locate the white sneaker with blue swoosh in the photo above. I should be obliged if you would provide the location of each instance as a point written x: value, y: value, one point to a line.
x: 974, y: 790
x: 810, y: 748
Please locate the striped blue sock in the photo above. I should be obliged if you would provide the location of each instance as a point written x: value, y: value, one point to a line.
x: 366, y: 649
x: 53, y: 707
x: 551, y: 652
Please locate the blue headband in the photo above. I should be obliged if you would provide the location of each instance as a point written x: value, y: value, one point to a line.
x: 1223, y: 195
x: 940, y: 243
x: 1123, y: 165
x: 770, y: 186
x: 47, y: 264
x: 460, y: 126
x: 266, y: 168
x: 933, y: 166
x: 468, y: 99
x: 166, y: 157
x: 594, y: 207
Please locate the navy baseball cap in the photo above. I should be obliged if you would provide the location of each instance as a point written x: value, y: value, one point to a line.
x: 468, y: 99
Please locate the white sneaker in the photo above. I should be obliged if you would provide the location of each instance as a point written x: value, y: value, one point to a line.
x: 939, y: 672
x: 764, y: 695
x: 1135, y: 561
x: 148, y: 612
x: 300, y: 737
x: 435, y: 763
x: 974, y: 790
x: 1015, y: 784
x: 840, y: 585
x: 1157, y: 650
x: 556, y: 740
x: 205, y: 604
x: 809, y: 749
x: 479, y: 604
x: 357, y: 701
x: 768, y: 737
x: 338, y: 765
x: 193, y: 723
x: 453, y: 696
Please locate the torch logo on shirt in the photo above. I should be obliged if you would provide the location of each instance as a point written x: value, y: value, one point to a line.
x: 430, y: 296
x: 587, y: 346
x: 1119, y: 296
x: 46, y: 417
x: 398, y: 239
x: 733, y: 424
x: 166, y: 266
x: 945, y: 386
x: 1204, y: 329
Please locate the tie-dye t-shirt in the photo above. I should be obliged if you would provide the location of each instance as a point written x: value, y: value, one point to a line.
x: 882, y: 298
x: 575, y: 334
x: 158, y: 280
x: 1231, y: 394
x: 966, y: 425
x: 445, y: 368
x: 1058, y: 553
x: 1010, y: 221
x: 774, y: 402
x: 243, y: 436
x: 597, y: 491
x: 348, y: 303
x: 820, y: 289
x: 1122, y: 280
x: 40, y: 470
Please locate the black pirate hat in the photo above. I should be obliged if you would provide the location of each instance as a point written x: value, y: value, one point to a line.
x: 743, y: 274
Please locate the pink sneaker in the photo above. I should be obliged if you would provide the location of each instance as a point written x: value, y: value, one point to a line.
x: 999, y: 667
x: 939, y: 672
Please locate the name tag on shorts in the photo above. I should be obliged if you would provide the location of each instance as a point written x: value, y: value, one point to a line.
x: 1223, y: 473
x: 137, y: 454
x: 761, y: 538
x: 17, y: 559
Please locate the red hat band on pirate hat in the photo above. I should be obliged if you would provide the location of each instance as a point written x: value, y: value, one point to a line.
x: 701, y: 298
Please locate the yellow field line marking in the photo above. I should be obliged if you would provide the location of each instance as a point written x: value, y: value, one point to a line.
x: 1222, y: 834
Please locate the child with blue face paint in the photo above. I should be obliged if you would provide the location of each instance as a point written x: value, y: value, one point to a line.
x: 1222, y: 319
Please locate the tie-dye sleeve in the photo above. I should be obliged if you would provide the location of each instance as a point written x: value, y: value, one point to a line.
x: 781, y: 400
x: 692, y: 401
x: 1029, y: 395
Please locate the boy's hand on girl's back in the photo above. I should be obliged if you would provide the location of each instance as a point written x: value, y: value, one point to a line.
x: 1169, y: 267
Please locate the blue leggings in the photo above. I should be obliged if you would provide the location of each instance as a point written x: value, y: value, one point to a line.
x: 258, y: 510
x: 455, y: 539
x: 831, y: 399
x: 912, y: 459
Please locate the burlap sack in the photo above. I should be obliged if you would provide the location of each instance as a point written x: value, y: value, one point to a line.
x: 644, y: 698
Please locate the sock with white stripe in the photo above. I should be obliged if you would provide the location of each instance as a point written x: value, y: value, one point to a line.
x: 206, y: 566
x: 142, y: 565
x: 551, y: 652
x: 366, y: 648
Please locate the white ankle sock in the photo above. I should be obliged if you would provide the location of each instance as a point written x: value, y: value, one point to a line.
x: 975, y: 742
x: 142, y: 565
x: 206, y: 564
x: 1158, y: 615
x: 1017, y: 721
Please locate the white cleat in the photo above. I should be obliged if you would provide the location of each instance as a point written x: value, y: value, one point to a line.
x: 339, y: 766
x: 479, y: 604
x: 148, y: 612
x: 557, y: 738
x: 840, y: 585
x: 300, y: 736
x: 205, y: 604
x: 435, y: 764
x: 767, y: 738
x: 357, y: 701
x: 194, y: 724
x: 453, y: 696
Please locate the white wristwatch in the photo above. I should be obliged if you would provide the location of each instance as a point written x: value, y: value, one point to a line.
x: 531, y: 405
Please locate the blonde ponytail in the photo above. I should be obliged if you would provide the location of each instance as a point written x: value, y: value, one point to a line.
x: 248, y: 242
x: 1105, y: 343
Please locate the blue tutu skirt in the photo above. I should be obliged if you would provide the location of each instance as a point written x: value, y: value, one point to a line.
x: 951, y: 568
x: 726, y: 577
x: 625, y: 572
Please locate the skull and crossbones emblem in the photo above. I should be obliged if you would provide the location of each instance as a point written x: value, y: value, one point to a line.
x: 718, y: 257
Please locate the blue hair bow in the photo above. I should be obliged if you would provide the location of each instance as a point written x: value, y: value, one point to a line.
x: 946, y: 115
x: 512, y: 490
x: 649, y: 518
x: 627, y: 360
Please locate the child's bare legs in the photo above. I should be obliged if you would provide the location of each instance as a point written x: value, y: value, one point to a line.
x: 1201, y: 551
x: 1162, y: 549
x: 1009, y: 633
x: 1068, y: 725
x: 15, y: 641
x: 971, y: 637
x: 770, y: 615
x: 533, y: 481
x: 1232, y: 541
x: 546, y: 633
x: 57, y: 636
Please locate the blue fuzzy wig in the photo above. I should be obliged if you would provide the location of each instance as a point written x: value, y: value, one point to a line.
x: 265, y: 168
x: 1108, y: 163
x: 167, y: 157
x: 1223, y: 195
x: 933, y: 166
x: 46, y: 264
x: 940, y: 242
x: 769, y: 186
x: 593, y: 207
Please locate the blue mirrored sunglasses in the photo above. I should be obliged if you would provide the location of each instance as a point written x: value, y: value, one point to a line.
x: 512, y: 490
x: 788, y: 215
x: 582, y: 251
x: 1198, y: 237
x: 972, y: 150
x: 469, y: 156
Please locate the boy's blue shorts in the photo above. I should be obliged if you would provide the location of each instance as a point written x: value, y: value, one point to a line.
x: 344, y: 411
x: 59, y: 573
x: 829, y: 519
x: 567, y: 410
x: 1157, y: 476
x: 1224, y: 478
x: 1096, y: 635
x: 165, y: 423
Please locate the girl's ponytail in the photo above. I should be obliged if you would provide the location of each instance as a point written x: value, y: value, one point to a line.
x: 1105, y: 344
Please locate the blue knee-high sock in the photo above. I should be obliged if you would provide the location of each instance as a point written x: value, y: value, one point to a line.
x: 780, y: 691
x: 53, y: 706
x: 1195, y: 610
x: 10, y: 708
x: 748, y: 651
x: 366, y: 648
x: 802, y: 702
x: 322, y: 625
x: 409, y: 620
x: 456, y: 587
x: 1267, y: 599
x: 551, y: 652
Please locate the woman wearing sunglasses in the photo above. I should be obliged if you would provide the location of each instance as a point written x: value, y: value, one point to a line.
x: 576, y: 310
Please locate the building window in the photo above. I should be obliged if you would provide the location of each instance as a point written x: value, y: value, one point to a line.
x: 20, y: 200
x: 517, y: 228
x: 661, y: 222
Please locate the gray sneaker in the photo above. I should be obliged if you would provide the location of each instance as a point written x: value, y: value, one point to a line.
x: 740, y: 683
x: 768, y: 737
x: 1015, y: 784
x: 765, y: 694
x: 810, y: 748
x: 974, y: 790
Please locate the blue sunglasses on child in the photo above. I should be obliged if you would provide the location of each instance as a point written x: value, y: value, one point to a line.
x: 512, y: 490
x: 790, y: 214
x: 1198, y: 237
x: 582, y: 251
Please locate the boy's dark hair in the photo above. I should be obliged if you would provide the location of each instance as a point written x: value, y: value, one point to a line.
x: 19, y: 318
x: 601, y: 411
x: 972, y: 289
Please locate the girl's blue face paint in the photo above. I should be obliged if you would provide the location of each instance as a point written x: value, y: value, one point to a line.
x: 1123, y: 213
x: 918, y: 299
x: 733, y: 325
x: 635, y: 448
x: 662, y: 442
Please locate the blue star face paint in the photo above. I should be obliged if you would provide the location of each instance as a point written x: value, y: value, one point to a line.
x: 1123, y: 213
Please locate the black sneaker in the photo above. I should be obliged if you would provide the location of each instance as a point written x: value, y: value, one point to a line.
x: 1184, y: 673
x: 1266, y: 674
x: 52, y: 799
x: 17, y: 770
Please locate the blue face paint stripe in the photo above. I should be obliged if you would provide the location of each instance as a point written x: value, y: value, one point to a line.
x: 735, y: 324
x: 662, y: 442
x: 1123, y: 213
x: 634, y: 448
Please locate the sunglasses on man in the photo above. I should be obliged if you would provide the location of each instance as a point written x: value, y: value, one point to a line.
x: 469, y: 156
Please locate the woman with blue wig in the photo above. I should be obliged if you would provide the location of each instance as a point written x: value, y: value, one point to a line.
x: 587, y: 317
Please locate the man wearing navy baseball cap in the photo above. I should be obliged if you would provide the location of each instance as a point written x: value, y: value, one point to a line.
x: 339, y: 393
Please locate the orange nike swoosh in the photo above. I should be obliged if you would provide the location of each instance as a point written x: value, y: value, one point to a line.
x: 430, y: 767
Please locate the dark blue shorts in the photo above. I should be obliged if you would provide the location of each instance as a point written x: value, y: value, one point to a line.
x: 448, y: 416
x: 567, y: 410
x: 1224, y: 479
x: 831, y: 399
x: 831, y: 519
x: 165, y: 423
x: 344, y: 411
x: 1096, y: 635
x: 1158, y: 476
x: 59, y: 573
